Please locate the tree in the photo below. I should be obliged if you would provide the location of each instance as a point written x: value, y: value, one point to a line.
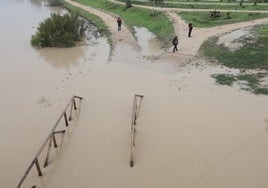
x: 158, y: 1
x: 55, y: 2
x: 128, y: 3
x: 59, y: 31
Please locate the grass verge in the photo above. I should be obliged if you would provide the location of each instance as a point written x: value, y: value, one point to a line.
x: 95, y: 20
x: 193, y: 5
x: 203, y: 20
x: 158, y: 23
x: 249, y: 82
x: 252, y: 56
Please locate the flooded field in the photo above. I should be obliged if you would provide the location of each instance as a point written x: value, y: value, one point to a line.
x: 191, y: 133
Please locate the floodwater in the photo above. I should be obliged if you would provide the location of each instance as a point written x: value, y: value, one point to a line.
x: 190, y: 133
x: 148, y: 42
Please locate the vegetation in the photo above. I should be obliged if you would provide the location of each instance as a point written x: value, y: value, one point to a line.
x: 222, y: 1
x: 196, y: 5
x: 59, y: 31
x: 55, y: 2
x: 251, y: 82
x: 93, y: 19
x: 128, y: 3
x: 253, y: 55
x: 157, y: 23
x: 203, y: 19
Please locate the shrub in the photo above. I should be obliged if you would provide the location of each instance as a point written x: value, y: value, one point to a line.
x: 55, y: 2
x: 59, y: 31
x: 228, y: 15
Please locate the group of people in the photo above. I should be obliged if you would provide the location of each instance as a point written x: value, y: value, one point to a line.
x: 175, y: 40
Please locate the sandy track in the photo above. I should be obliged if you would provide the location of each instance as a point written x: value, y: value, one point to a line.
x: 188, y: 47
x: 123, y: 36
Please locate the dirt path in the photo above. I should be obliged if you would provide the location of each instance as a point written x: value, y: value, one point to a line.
x: 123, y: 36
x: 188, y: 47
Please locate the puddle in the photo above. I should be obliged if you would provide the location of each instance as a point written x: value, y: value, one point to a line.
x: 148, y: 42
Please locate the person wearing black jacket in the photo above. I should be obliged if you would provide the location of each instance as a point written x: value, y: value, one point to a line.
x: 190, y: 29
x: 175, y: 43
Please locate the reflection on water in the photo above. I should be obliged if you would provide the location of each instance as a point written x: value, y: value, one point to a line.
x: 60, y: 57
x: 147, y: 41
x: 67, y: 57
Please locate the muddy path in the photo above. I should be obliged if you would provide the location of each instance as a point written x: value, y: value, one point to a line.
x: 187, y: 48
x: 123, y: 36
x: 190, y: 46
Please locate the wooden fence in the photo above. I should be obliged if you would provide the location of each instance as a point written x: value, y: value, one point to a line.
x: 136, y: 108
x: 51, y: 137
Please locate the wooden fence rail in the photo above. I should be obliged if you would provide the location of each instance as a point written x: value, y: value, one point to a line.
x: 135, y: 112
x: 51, y: 137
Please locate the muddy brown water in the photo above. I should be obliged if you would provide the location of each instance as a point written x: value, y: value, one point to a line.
x: 190, y: 131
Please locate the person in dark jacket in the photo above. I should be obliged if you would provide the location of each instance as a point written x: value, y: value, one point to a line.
x: 119, y: 23
x: 175, y: 42
x: 190, y: 29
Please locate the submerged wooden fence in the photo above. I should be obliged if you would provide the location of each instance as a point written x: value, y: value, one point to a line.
x: 51, y: 137
x: 136, y: 108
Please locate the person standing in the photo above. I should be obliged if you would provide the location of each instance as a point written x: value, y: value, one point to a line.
x: 190, y: 29
x: 119, y: 23
x: 175, y: 42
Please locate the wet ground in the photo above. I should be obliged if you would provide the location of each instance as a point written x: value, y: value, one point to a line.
x: 190, y: 132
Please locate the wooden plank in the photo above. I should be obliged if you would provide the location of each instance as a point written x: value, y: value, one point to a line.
x: 57, y: 132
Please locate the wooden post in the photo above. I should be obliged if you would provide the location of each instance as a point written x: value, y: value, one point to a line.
x: 54, y: 140
x: 74, y: 104
x: 48, y: 151
x: 38, y: 167
x: 65, y: 117
x: 132, y: 149
x: 133, y: 128
x: 51, y: 137
x: 71, y: 111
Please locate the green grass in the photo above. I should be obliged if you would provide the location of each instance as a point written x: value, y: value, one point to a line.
x: 224, y: 79
x: 202, y: 19
x: 252, y: 81
x: 252, y: 56
x: 193, y: 5
x: 158, y: 23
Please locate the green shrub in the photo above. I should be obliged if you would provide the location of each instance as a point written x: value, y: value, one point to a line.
x: 55, y: 2
x: 59, y: 31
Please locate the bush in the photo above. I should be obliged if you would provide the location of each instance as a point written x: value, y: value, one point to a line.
x: 59, y: 31
x: 55, y: 2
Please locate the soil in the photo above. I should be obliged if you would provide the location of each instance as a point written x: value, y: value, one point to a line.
x: 187, y: 48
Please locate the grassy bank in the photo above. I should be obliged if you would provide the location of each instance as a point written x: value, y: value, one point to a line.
x: 194, y: 5
x: 158, y: 23
x: 95, y: 20
x: 203, y: 20
x: 252, y: 56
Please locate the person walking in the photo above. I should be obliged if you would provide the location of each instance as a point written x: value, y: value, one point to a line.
x: 190, y: 25
x: 119, y: 23
x: 175, y: 42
